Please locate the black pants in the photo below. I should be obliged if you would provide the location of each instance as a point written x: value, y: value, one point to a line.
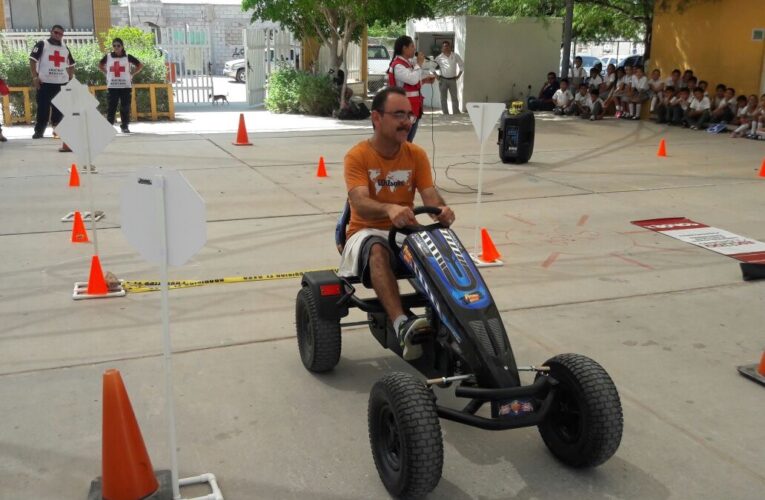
x: 45, y: 109
x: 123, y: 96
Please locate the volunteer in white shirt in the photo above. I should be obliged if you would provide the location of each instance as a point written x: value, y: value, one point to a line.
x: 52, y: 67
x: 119, y: 68
x: 448, y: 61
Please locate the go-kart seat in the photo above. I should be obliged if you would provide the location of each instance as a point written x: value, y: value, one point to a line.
x: 340, y: 238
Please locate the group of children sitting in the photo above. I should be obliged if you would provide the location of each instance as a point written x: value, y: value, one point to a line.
x: 678, y: 100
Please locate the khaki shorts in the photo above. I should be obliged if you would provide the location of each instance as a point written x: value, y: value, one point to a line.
x: 353, y: 262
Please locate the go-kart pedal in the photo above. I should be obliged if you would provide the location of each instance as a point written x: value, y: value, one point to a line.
x: 411, y: 333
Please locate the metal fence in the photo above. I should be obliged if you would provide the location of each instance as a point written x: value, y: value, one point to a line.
x: 188, y: 55
x: 22, y: 39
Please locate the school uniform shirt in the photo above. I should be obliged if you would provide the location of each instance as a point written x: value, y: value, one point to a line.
x: 595, y: 81
x: 671, y: 83
x: 562, y: 97
x: 581, y: 99
x: 676, y: 101
x: 721, y: 103
x: 578, y: 73
x: 639, y: 84
x: 700, y: 104
x: 656, y: 85
x: 590, y: 102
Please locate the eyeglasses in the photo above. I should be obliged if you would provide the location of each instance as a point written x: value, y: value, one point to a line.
x: 116, y: 46
x: 401, y: 115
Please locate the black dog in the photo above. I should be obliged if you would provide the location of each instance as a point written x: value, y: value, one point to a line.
x: 219, y: 97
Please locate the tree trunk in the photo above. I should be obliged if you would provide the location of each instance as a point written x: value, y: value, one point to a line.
x: 648, y: 39
x: 568, y: 22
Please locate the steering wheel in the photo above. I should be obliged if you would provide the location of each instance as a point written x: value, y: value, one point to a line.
x: 412, y: 229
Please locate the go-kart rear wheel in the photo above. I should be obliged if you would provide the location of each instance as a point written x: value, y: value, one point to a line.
x: 319, y: 339
x: 405, y: 435
x: 584, y: 427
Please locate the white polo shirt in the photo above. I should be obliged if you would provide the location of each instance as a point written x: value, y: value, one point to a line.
x: 448, y: 64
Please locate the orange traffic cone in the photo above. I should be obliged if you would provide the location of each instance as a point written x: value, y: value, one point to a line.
x: 241, y: 135
x: 762, y: 168
x: 64, y: 149
x: 761, y: 367
x: 322, y: 170
x: 96, y: 281
x: 662, y: 152
x: 78, y: 230
x: 489, y: 252
x: 126, y: 469
x: 74, y: 176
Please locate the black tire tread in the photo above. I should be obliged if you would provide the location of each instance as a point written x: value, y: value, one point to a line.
x: 327, y: 336
x: 419, y: 422
x: 605, y: 418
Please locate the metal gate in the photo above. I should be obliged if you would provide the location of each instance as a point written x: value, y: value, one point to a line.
x: 266, y: 49
x: 188, y: 54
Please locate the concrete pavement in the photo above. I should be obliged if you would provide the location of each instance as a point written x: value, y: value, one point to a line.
x: 669, y: 322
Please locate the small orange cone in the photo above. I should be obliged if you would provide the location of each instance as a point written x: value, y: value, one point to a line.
x: 79, y: 235
x: 489, y: 252
x: 74, y: 176
x: 241, y: 135
x: 762, y: 168
x: 761, y: 367
x: 64, y: 149
x: 662, y: 152
x: 126, y: 470
x: 322, y: 170
x: 96, y: 282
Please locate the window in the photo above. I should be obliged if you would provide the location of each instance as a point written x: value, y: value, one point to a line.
x: 758, y: 35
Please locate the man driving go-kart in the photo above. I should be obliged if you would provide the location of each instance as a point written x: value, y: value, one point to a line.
x: 382, y: 174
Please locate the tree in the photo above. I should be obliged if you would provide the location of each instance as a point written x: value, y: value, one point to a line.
x: 335, y: 22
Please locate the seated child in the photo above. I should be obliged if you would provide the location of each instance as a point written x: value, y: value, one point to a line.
x: 579, y: 100
x: 638, y: 93
x: 592, y: 107
x: 562, y: 99
x: 678, y: 105
x: 595, y: 80
x: 619, y: 91
x: 674, y: 79
x: 745, y: 117
x: 697, y: 114
x: 724, y: 108
x: 656, y: 88
x: 664, y: 107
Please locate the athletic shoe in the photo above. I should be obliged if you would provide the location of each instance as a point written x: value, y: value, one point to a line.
x: 125, y: 130
x: 694, y: 127
x: 2, y: 138
x: 406, y: 332
x: 592, y: 118
x: 618, y: 114
x: 37, y: 135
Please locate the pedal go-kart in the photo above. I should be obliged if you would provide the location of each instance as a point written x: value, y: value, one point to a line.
x: 573, y: 401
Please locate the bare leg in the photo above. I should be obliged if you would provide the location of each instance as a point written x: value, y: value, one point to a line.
x: 384, y: 282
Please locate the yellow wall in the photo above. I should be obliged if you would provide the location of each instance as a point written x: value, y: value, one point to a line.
x: 714, y: 39
x: 2, y: 15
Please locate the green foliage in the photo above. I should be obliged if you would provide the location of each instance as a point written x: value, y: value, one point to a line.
x: 293, y: 91
x: 392, y: 30
x: 134, y: 38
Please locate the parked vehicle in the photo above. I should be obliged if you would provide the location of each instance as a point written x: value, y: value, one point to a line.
x: 235, y: 69
x: 378, y: 60
x: 636, y: 60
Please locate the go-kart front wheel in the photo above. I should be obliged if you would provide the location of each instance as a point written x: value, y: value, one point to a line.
x: 405, y: 435
x: 584, y: 427
x: 319, y: 339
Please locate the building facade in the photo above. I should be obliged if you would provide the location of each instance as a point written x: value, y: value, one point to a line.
x: 722, y: 42
x: 40, y: 15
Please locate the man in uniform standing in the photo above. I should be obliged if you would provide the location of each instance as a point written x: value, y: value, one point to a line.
x: 448, y: 61
x: 52, y: 67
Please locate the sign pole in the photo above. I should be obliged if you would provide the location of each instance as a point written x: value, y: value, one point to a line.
x: 159, y: 186
x: 89, y: 167
x: 478, y: 202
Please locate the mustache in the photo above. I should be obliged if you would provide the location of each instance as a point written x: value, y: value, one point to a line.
x: 403, y: 128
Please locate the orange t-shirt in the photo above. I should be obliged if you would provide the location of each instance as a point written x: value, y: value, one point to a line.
x: 389, y: 180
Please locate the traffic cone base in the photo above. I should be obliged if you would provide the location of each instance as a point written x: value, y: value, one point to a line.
x: 74, y: 176
x: 241, y: 134
x: 762, y: 168
x: 754, y: 372
x: 79, y: 235
x: 662, y: 152
x: 489, y: 255
x: 96, y: 282
x: 321, y: 171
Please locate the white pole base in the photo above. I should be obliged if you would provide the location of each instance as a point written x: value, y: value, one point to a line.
x: 85, y: 216
x: 81, y: 292
x: 202, y: 479
x: 482, y: 263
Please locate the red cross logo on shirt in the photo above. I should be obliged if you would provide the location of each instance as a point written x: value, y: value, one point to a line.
x: 56, y: 58
x: 117, y: 69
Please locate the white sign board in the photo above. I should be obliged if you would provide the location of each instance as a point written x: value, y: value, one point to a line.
x: 484, y: 116
x: 184, y: 211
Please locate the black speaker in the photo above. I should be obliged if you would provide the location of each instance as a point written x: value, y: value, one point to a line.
x: 516, y: 137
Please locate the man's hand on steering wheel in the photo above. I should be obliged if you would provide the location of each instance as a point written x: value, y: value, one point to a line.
x: 401, y: 216
x: 446, y: 217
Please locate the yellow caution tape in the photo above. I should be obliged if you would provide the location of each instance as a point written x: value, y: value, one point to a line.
x: 154, y: 286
